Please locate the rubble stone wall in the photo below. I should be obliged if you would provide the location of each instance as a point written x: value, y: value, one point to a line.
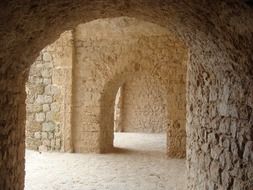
x: 144, y: 105
x: 110, y: 52
x: 49, y: 98
x: 218, y: 35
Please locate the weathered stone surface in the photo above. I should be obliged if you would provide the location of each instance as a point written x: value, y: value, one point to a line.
x: 37, y: 135
x: 46, y: 107
x: 144, y: 105
x: 217, y: 34
x: 48, y: 127
x: 45, y: 98
x: 47, y: 57
x: 140, y: 56
x: 40, y: 117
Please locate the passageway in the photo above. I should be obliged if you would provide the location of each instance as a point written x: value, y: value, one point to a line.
x: 137, y: 164
x: 76, y: 94
x: 210, y: 109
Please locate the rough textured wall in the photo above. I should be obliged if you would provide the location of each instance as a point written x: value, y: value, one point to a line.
x: 217, y: 33
x: 144, y: 105
x: 118, y: 110
x: 109, y: 52
x: 222, y: 106
x: 49, y: 97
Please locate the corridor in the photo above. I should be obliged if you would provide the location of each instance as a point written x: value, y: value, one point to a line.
x: 139, y: 162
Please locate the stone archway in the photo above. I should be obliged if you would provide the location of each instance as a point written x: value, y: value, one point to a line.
x: 118, y: 48
x: 219, y: 38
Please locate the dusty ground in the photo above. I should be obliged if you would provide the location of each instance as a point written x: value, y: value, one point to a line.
x: 139, y: 163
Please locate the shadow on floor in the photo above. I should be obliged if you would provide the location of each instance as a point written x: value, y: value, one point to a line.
x: 151, y: 153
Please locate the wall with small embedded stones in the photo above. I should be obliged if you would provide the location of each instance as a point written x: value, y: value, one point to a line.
x: 110, y: 52
x: 218, y: 35
x: 49, y: 97
x: 144, y: 105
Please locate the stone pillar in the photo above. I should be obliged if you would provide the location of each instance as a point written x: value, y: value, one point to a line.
x: 176, y: 131
x: 12, y: 132
x: 86, y: 99
x: 49, y: 86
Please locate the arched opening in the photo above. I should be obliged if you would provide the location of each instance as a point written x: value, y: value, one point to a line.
x: 109, y: 52
x: 140, y: 114
x: 72, y: 85
x: 219, y: 82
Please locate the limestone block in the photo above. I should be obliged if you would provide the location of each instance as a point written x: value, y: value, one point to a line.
x: 47, y: 57
x: 232, y: 109
x: 40, y: 117
x: 48, y: 65
x: 46, y: 142
x: 43, y: 148
x: 46, y: 107
x: 55, y: 107
x: 248, y: 151
x: 48, y: 126
x: 52, y: 143
x: 50, y: 135
x: 52, y: 90
x: 214, y: 171
x: 37, y: 80
x: 46, y: 73
x: 34, y: 89
x: 44, y: 135
x: 34, y: 125
x: 223, y: 109
x: 57, y: 76
x: 47, y: 81
x: 33, y: 108
x: 37, y: 135
x: 53, y: 116
x: 57, y: 134
x: 215, y: 152
x: 30, y: 99
x: 44, y: 99
x: 58, y: 143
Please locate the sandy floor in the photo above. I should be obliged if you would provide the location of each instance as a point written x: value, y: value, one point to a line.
x: 139, y: 163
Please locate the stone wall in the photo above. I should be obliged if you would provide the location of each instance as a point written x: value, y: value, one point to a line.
x: 49, y: 97
x: 218, y: 35
x: 226, y: 131
x: 144, y: 105
x: 110, y: 52
x: 118, y: 110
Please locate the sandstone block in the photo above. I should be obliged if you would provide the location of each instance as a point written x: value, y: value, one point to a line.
x: 53, y: 116
x: 44, y: 135
x: 43, y: 148
x: 47, y: 81
x: 48, y: 126
x: 40, y: 117
x: 47, y: 57
x: 55, y: 107
x: 44, y: 99
x: 46, y: 107
x: 37, y: 135
x: 52, y: 90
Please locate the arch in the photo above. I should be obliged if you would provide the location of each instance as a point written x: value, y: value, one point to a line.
x: 116, y: 53
x: 220, y: 55
x: 176, y: 144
